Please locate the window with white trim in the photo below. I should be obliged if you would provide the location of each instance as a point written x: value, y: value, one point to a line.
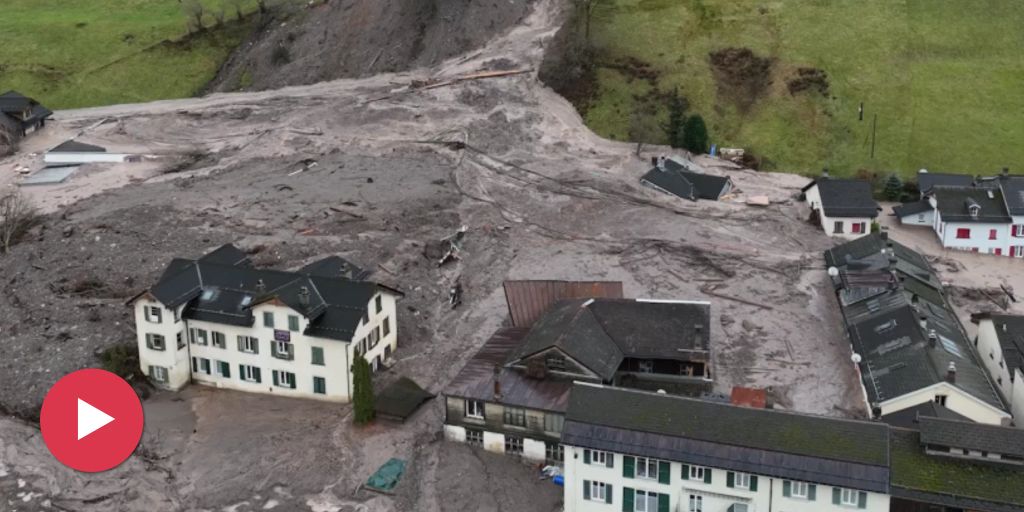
x: 599, y: 458
x: 158, y: 373
x: 283, y: 350
x: 696, y: 503
x: 198, y: 336
x: 474, y: 437
x: 645, y: 501
x: 697, y: 473
x: 647, y: 468
x: 284, y: 379
x: 598, y: 491
x: 741, y: 480
x: 219, y: 340
x: 849, y: 497
x: 180, y: 339
x: 474, y: 409
x: 799, y: 490
x: 154, y: 314
x: 248, y: 344
x: 249, y: 373
x: 155, y: 342
x: 513, y: 445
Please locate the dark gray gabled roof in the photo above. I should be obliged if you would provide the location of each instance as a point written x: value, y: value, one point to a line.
x: 677, y: 179
x: 786, y: 445
x: 336, y: 266
x: 13, y: 102
x: 601, y: 333
x: 222, y: 287
x: 910, y: 417
x: 1013, y: 193
x: 845, y: 198
x: 889, y: 309
x: 73, y: 146
x: 927, y: 180
x: 913, y: 208
x: 972, y: 436
x: 1010, y: 331
x: 954, y: 204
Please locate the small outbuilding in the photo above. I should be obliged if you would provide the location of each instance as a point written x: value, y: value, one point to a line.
x: 916, y: 213
x: 22, y: 113
x: 73, y: 152
x: 845, y: 208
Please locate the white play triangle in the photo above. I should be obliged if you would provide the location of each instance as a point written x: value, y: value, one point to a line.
x: 90, y: 419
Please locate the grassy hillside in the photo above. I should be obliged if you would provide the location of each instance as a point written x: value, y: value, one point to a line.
x: 944, y: 77
x: 95, y: 52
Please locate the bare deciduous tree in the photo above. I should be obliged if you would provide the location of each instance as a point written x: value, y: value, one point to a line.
x: 17, y: 216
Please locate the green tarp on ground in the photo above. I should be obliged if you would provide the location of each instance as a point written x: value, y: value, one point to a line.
x: 387, y: 477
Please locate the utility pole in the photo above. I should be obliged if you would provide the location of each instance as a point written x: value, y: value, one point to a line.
x: 874, y: 125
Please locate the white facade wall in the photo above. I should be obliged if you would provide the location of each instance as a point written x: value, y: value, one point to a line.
x: 1017, y: 242
x: 813, y: 198
x: 716, y: 496
x: 1017, y: 402
x: 337, y: 355
x: 980, y: 236
x: 919, y: 219
x: 494, y: 442
x: 955, y: 400
x: 991, y: 353
x: 84, y: 158
x: 455, y: 433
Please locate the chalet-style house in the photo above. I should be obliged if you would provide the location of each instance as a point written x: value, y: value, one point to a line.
x: 984, y: 214
x: 909, y: 346
x: 629, y: 450
x: 511, y: 396
x: 219, y: 321
x: 684, y: 179
x: 1000, y: 344
x: 21, y: 115
x: 844, y: 208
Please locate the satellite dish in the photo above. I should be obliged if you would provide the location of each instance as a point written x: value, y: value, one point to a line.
x: 833, y: 272
x: 662, y: 392
x: 855, y: 358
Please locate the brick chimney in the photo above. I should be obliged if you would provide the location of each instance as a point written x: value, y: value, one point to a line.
x: 951, y: 373
x: 933, y: 339
x: 497, y: 383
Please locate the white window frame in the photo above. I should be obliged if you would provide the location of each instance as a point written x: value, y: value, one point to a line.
x: 247, y: 374
x: 645, y: 366
x: 514, y: 441
x: 158, y: 373
x: 697, y: 473
x: 283, y: 382
x: 478, y: 437
x: 248, y: 344
x: 217, y: 370
x: 151, y: 343
x: 598, y: 491
x: 741, y: 480
x: 647, y: 464
x: 474, y: 409
x: 849, y: 497
x: 196, y: 339
x: 598, y: 458
x: 801, y: 490
x: 154, y: 312
x: 696, y: 503
x: 223, y: 339
x: 281, y: 349
x: 641, y: 498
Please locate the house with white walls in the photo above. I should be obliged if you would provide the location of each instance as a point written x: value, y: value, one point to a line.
x: 638, y: 451
x: 510, y: 397
x: 219, y: 321
x: 906, y: 341
x: 844, y: 208
x: 1000, y: 342
x: 628, y: 450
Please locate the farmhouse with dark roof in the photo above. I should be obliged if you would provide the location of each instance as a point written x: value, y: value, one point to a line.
x: 220, y: 321
x: 844, y: 208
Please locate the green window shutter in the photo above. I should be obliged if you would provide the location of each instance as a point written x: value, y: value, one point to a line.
x: 293, y: 323
x: 586, y: 489
x: 730, y: 479
x: 664, y: 472
x: 256, y: 373
x: 318, y: 356
x: 586, y: 456
x: 628, y: 497
x: 862, y: 500
x: 241, y: 371
x: 275, y: 378
x: 835, y: 495
x: 707, y: 475
x: 610, y: 460
x: 629, y: 466
x: 663, y: 502
x: 608, y: 494
x: 268, y: 319
x: 812, y: 492
x: 785, y: 488
x: 753, y: 483
x: 686, y: 472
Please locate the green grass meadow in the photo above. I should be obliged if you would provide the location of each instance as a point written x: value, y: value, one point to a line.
x: 944, y: 77
x: 77, y: 53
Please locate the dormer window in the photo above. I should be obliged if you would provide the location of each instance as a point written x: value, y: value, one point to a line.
x: 975, y: 210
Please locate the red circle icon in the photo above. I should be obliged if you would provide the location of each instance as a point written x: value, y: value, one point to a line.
x: 91, y: 420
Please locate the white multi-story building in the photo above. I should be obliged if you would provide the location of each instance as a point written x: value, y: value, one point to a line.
x: 636, y: 451
x: 844, y: 208
x: 1001, y: 346
x: 219, y: 321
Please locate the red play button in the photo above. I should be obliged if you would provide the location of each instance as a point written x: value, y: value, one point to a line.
x: 91, y: 420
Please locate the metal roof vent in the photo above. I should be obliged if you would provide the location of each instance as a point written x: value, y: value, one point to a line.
x: 304, y: 296
x: 261, y: 286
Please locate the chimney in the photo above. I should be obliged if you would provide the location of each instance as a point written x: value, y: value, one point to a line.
x: 884, y: 234
x: 933, y: 339
x: 261, y: 286
x: 497, y: 383
x: 304, y: 296
x: 661, y: 162
x: 654, y: 161
x: 951, y: 373
x: 922, y: 318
